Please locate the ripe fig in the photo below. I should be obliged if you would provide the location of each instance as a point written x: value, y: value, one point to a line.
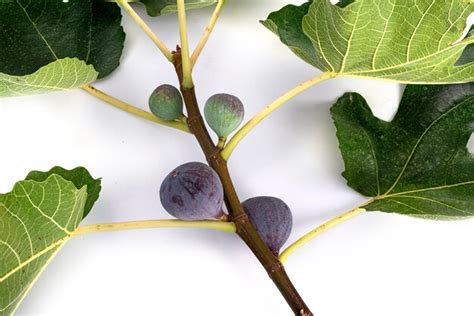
x: 224, y: 113
x: 166, y: 103
x: 192, y: 191
x: 272, y: 219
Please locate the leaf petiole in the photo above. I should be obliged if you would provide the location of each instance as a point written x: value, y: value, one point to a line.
x: 207, y: 32
x: 183, y: 33
x: 134, y: 15
x: 227, y: 227
x: 318, y: 231
x: 181, y: 125
x: 242, y: 132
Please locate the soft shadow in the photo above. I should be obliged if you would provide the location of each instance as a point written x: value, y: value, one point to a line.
x: 470, y: 144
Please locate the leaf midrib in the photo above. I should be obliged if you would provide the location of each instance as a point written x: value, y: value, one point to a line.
x: 33, y: 257
x: 441, y: 187
x: 419, y: 141
x: 465, y: 42
x: 391, y: 197
x: 37, y: 30
x: 22, y: 294
x: 434, y: 201
x: 417, y: 28
x: 349, y: 42
x: 43, y: 38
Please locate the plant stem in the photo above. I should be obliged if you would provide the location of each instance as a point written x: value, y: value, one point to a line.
x: 97, y: 228
x: 133, y: 110
x: 134, y: 15
x: 207, y: 32
x: 245, y: 229
x: 221, y: 143
x: 318, y: 231
x: 187, y: 81
x: 242, y: 132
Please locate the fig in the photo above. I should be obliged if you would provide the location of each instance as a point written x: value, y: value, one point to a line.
x: 224, y: 113
x: 166, y: 103
x: 192, y: 191
x: 272, y: 219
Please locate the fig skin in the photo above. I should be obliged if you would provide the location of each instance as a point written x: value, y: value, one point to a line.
x: 272, y: 219
x: 166, y: 103
x: 192, y: 191
x: 224, y: 113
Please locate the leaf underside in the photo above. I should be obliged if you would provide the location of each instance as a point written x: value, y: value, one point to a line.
x: 80, y: 176
x: 63, y: 74
x: 161, y: 7
x: 401, y: 40
x: 419, y: 163
x: 34, y: 34
x: 36, y: 219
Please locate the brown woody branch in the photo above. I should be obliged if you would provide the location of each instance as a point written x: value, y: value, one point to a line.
x: 245, y: 229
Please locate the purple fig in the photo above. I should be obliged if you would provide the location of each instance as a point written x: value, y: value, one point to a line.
x: 272, y: 219
x: 192, y: 191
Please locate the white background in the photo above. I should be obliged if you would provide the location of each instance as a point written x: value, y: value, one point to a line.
x: 376, y: 264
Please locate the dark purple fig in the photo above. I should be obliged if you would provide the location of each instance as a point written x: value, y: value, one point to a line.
x: 192, y: 191
x: 272, y: 219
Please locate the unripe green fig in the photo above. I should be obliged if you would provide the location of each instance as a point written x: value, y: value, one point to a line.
x: 224, y: 113
x: 166, y: 103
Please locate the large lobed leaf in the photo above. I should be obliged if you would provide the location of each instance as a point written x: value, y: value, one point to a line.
x: 36, y: 219
x: 419, y: 163
x: 411, y: 41
x: 34, y: 34
x: 161, y: 7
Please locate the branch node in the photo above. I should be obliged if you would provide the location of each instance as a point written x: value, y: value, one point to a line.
x: 240, y: 219
x: 194, y: 122
x: 215, y: 157
x: 275, y: 267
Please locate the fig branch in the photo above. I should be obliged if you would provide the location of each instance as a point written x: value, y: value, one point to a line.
x: 183, y: 63
x: 244, y: 227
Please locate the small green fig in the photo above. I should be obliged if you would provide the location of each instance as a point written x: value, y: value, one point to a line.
x: 224, y: 113
x: 166, y: 103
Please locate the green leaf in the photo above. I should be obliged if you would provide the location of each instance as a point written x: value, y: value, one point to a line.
x: 161, y: 7
x: 79, y: 176
x: 419, y: 163
x: 286, y: 23
x: 36, y: 219
x: 36, y: 33
x: 63, y: 74
x: 399, y: 40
